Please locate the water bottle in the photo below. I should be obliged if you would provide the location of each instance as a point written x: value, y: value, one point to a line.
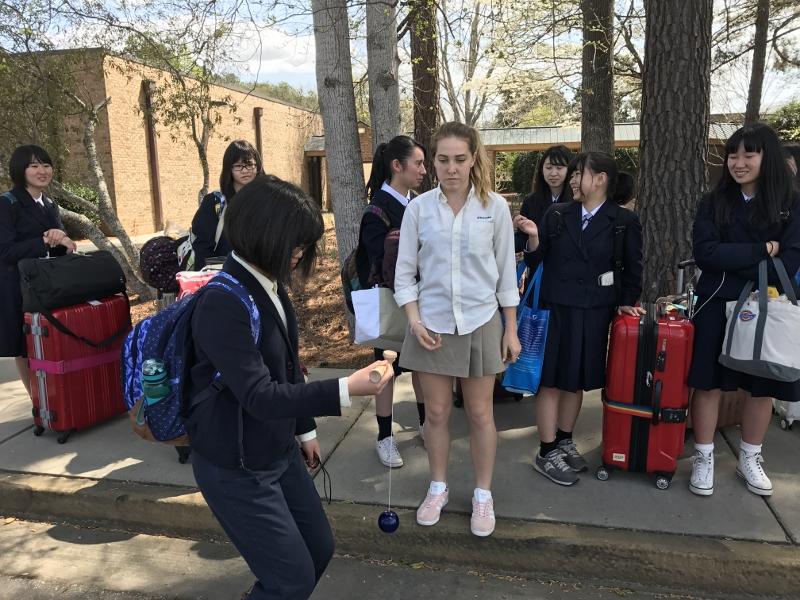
x: 154, y: 381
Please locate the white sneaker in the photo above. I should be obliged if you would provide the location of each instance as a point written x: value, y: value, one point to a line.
x: 702, y: 480
x: 388, y: 453
x: 752, y: 472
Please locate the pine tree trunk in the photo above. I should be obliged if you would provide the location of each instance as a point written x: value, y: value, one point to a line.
x: 674, y: 134
x: 759, y: 60
x: 382, y: 66
x: 597, y: 86
x: 338, y: 108
x: 425, y: 74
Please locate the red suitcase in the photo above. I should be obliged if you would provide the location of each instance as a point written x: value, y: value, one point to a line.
x: 73, y: 384
x: 646, y: 396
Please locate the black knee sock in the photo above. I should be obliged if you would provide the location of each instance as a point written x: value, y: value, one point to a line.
x: 421, y: 412
x: 563, y: 435
x: 384, y: 427
x: 546, y: 447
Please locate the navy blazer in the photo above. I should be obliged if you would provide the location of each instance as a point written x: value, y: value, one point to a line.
x: 263, y: 383
x: 737, y: 248
x: 204, y: 228
x: 374, y: 231
x: 575, y: 259
x: 22, y: 229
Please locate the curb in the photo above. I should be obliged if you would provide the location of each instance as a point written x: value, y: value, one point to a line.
x: 714, y: 566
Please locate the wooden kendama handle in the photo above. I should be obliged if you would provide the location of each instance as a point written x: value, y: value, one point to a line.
x: 376, y: 374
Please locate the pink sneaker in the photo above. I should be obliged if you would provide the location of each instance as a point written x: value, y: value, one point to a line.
x: 482, y: 521
x: 430, y: 510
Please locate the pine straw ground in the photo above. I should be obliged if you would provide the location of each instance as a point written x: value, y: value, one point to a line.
x: 324, y: 336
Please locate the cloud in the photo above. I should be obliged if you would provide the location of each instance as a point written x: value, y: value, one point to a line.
x: 275, y: 55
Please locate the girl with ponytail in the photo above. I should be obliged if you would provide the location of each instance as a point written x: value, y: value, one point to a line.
x: 397, y: 168
x: 582, y: 289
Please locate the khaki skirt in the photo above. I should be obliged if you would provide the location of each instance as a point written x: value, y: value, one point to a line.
x: 475, y: 354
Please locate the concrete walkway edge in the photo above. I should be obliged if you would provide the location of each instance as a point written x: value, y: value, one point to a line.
x: 700, y: 563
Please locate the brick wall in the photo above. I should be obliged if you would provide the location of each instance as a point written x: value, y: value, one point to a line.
x: 122, y: 144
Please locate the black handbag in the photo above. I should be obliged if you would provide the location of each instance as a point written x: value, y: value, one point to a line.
x: 49, y: 283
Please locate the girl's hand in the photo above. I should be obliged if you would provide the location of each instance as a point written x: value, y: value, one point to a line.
x: 634, y: 311
x: 311, y: 453
x: 773, y: 248
x: 358, y: 384
x: 526, y: 226
x: 511, y: 347
x: 424, y: 337
x: 69, y: 244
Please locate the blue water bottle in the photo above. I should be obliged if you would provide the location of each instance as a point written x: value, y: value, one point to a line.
x: 154, y: 381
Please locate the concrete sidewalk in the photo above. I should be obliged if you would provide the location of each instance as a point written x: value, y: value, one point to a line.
x: 626, y: 528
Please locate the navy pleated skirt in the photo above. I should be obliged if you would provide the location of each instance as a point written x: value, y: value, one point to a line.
x: 576, y: 347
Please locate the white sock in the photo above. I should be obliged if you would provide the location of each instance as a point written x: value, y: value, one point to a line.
x: 706, y: 449
x: 749, y: 449
x: 437, y: 487
x: 482, y: 495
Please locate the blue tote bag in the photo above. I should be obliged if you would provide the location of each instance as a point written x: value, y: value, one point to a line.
x: 524, y: 376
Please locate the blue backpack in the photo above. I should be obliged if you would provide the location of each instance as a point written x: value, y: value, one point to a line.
x: 166, y: 336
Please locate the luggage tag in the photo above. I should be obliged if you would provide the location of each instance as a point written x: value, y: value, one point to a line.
x: 606, y: 279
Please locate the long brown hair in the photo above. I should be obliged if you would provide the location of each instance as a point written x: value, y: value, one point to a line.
x: 480, y: 176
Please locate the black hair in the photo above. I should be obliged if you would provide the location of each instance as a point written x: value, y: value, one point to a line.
x: 792, y: 150
x: 21, y: 158
x: 621, y: 186
x: 773, y: 188
x: 558, y: 155
x: 398, y: 148
x: 237, y: 150
x: 267, y: 220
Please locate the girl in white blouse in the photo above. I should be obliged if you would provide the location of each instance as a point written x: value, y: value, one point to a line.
x: 455, y: 274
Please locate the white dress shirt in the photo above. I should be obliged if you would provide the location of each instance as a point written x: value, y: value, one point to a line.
x: 271, y: 287
x: 394, y: 193
x: 465, y: 261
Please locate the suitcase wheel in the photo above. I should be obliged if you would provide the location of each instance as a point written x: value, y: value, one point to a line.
x: 64, y: 436
x: 662, y: 482
x: 183, y: 453
x: 602, y: 474
x: 38, y: 430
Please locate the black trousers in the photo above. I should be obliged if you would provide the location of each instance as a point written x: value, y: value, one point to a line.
x: 275, y: 519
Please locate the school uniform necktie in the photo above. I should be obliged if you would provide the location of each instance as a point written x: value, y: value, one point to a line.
x: 585, y: 221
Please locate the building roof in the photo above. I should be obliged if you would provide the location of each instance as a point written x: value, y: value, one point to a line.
x: 526, y: 139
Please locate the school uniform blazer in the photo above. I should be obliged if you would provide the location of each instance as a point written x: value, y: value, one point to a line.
x: 737, y: 248
x: 22, y: 227
x: 575, y: 259
x: 204, y: 228
x: 374, y: 231
x: 263, y: 383
x: 533, y: 207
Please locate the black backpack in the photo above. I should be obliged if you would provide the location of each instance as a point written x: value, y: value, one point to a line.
x: 158, y: 263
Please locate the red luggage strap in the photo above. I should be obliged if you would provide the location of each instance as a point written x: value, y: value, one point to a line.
x: 60, y: 367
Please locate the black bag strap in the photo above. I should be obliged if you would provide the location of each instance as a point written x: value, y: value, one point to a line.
x: 621, y: 222
x: 92, y: 344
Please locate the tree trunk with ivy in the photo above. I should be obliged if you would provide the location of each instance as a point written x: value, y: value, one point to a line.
x: 425, y: 75
x: 597, y: 85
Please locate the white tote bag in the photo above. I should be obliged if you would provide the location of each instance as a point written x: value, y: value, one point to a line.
x: 379, y: 321
x: 761, y: 334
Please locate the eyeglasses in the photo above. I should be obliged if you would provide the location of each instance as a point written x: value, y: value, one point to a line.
x: 241, y: 167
